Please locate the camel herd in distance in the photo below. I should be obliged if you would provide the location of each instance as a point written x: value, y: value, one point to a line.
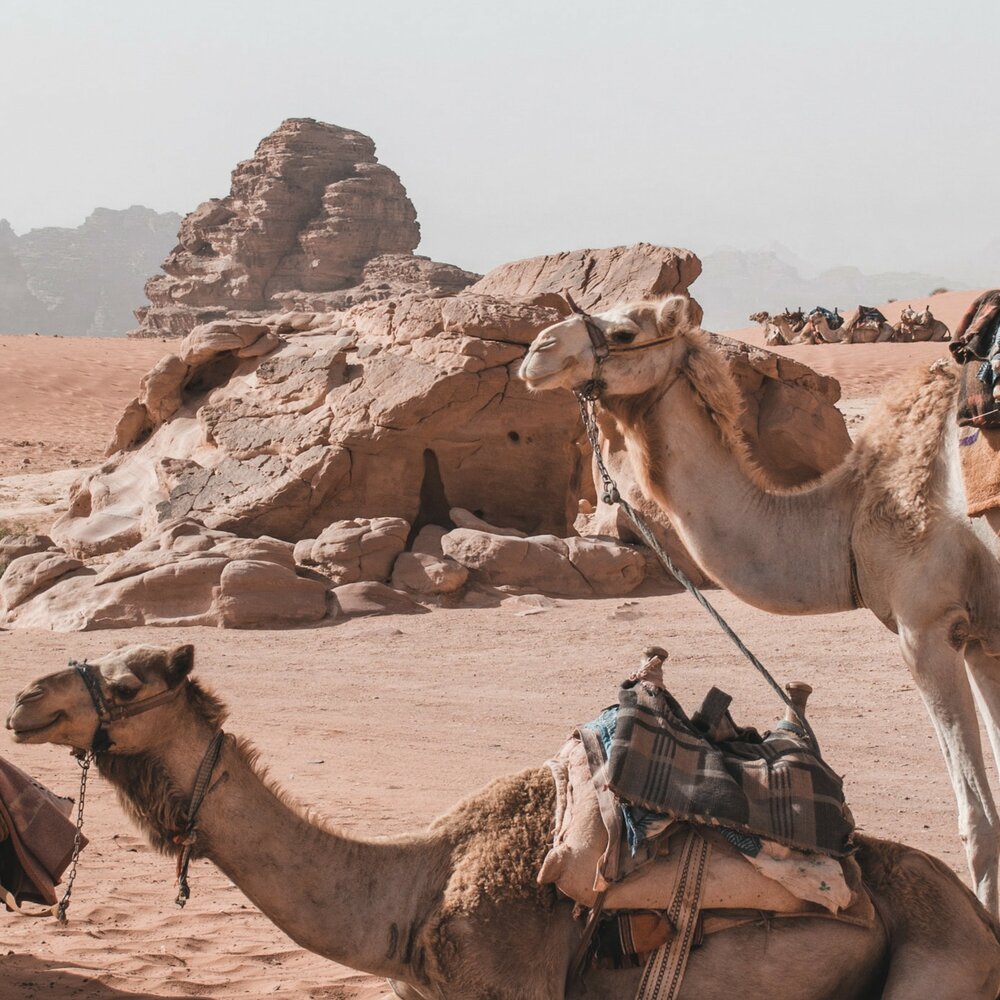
x: 868, y: 325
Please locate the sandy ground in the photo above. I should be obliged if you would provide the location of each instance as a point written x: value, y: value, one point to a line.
x: 384, y: 723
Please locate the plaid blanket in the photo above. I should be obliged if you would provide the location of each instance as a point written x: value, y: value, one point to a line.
x: 974, y: 344
x: 776, y: 788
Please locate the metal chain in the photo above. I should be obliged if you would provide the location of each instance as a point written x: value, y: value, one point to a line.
x: 63, y: 906
x: 611, y: 495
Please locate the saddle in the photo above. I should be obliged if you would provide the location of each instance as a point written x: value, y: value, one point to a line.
x: 833, y: 319
x: 870, y: 316
x: 659, y: 830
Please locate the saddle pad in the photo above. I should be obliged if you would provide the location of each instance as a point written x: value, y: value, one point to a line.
x: 777, y: 880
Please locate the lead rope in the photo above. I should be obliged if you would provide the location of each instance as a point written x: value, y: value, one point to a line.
x: 611, y: 495
x: 85, y: 761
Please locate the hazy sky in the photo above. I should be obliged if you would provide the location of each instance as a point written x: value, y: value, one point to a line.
x: 858, y: 132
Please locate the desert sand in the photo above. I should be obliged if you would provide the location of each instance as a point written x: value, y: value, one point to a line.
x: 383, y: 723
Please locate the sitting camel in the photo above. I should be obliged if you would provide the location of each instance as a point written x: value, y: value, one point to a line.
x: 456, y: 910
x: 918, y: 327
x: 783, y: 329
x: 824, y: 327
x: 886, y: 529
x: 868, y: 326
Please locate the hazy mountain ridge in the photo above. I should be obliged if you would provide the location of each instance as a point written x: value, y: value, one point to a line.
x: 736, y: 283
x: 84, y: 281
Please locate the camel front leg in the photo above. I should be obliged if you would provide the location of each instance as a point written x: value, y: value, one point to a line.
x: 940, y: 675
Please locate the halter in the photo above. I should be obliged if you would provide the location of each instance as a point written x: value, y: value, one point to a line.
x: 107, y: 713
x: 602, y: 349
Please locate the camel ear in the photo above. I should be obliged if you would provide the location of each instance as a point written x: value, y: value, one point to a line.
x: 180, y: 662
x: 676, y: 315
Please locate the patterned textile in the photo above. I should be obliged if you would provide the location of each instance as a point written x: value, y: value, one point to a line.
x: 833, y: 319
x: 869, y: 316
x: 974, y: 345
x: 776, y: 788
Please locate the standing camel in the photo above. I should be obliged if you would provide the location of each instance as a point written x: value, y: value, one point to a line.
x: 455, y: 912
x: 886, y: 529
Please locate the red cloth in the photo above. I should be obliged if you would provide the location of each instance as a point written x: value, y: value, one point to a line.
x: 40, y: 846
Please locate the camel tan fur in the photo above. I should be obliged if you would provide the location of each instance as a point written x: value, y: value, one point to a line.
x: 896, y: 502
x: 455, y: 911
x: 916, y: 326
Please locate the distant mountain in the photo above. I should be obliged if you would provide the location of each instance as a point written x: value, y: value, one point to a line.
x: 735, y: 283
x: 84, y: 281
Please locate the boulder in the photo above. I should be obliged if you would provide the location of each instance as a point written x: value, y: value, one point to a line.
x: 29, y: 574
x: 572, y: 567
x: 358, y: 549
x: 466, y: 519
x: 365, y: 599
x: 428, y: 574
x: 14, y: 546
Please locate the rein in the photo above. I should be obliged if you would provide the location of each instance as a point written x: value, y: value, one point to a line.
x: 107, y: 713
x: 587, y: 397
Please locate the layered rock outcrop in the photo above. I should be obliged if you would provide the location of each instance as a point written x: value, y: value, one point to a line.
x: 311, y: 214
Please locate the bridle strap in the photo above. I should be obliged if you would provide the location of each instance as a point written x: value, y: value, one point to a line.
x: 109, y: 712
x: 602, y: 348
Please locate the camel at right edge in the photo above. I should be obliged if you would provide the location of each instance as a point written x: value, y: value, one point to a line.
x: 886, y: 529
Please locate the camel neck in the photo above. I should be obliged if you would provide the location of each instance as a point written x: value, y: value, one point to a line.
x: 358, y: 902
x: 784, y: 551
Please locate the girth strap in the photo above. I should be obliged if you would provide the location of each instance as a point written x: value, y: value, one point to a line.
x: 664, y: 972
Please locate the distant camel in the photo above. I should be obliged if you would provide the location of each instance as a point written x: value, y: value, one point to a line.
x: 782, y: 329
x: 885, y: 529
x: 455, y: 911
x: 868, y: 326
x: 916, y: 327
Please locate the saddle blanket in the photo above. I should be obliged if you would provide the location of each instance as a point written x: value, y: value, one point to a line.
x: 653, y: 756
x: 589, y: 857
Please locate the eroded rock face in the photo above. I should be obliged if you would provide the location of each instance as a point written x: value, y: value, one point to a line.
x: 359, y: 549
x: 304, y: 216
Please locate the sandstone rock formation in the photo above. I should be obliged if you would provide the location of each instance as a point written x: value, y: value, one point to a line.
x: 83, y: 281
x: 311, y: 214
x: 341, y: 415
x: 597, y: 278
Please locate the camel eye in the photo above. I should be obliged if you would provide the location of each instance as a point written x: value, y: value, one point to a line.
x: 122, y: 692
x: 623, y: 336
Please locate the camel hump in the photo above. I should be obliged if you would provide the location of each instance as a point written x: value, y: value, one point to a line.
x: 931, y: 917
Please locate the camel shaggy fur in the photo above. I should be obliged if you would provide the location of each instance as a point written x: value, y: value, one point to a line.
x: 887, y: 527
x: 455, y: 911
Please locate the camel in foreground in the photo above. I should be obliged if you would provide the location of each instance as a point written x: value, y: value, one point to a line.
x: 455, y: 912
x: 917, y: 327
x: 886, y: 529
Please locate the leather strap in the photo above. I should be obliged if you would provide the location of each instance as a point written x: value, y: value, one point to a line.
x: 664, y: 972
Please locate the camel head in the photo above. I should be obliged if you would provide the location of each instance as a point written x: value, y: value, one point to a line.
x: 645, y: 342
x: 138, y: 684
x: 760, y: 317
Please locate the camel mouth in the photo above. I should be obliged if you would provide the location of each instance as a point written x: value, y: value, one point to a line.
x: 23, y: 734
x: 547, y: 380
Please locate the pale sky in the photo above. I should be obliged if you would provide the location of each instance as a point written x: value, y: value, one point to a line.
x: 863, y: 133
